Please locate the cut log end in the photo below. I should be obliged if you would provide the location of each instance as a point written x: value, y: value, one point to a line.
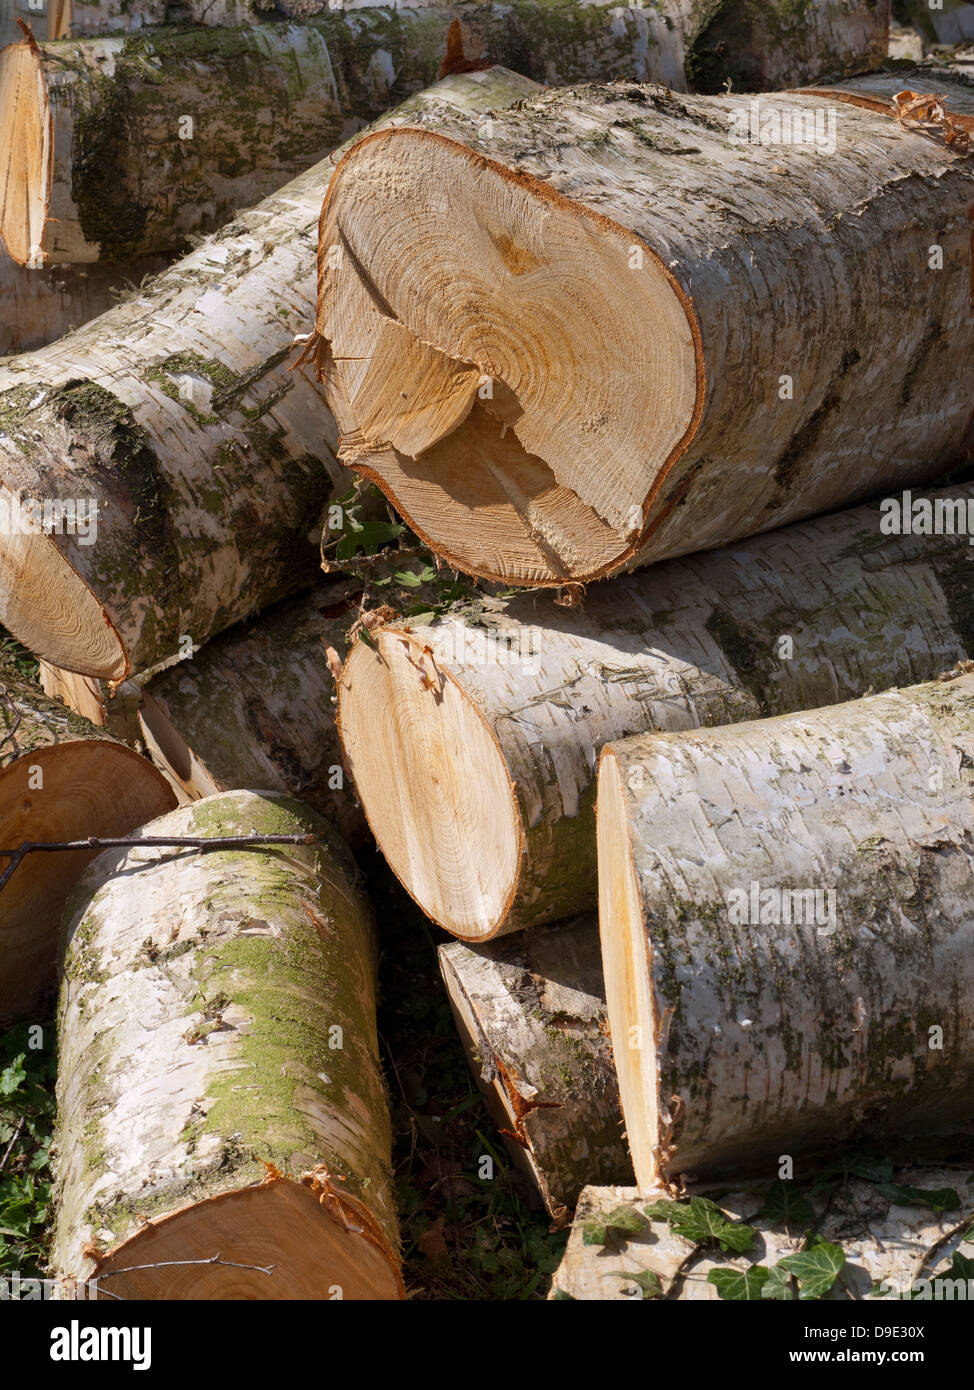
x: 273, y: 1241
x: 51, y: 609
x: 456, y: 362
x: 434, y: 783
x: 26, y: 132
x: 634, y: 1024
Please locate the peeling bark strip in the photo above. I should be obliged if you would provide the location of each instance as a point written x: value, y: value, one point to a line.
x: 256, y: 708
x: 209, y: 459
x: 885, y: 1241
x: 746, y: 1021
x: 614, y: 329
x: 37, y: 306
x: 60, y: 779
x: 482, y: 796
x: 532, y: 1017
x: 752, y: 43
x: 219, y: 1090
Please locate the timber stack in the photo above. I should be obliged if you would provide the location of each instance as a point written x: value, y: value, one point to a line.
x: 615, y: 366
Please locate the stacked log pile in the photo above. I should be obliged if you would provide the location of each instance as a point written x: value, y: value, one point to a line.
x: 692, y: 370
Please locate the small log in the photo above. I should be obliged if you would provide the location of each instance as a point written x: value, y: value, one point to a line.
x: 220, y: 1098
x: 256, y: 708
x: 177, y: 411
x: 886, y: 1242
x: 531, y: 1013
x: 787, y: 935
x: 618, y: 325
x: 473, y: 740
x: 60, y: 779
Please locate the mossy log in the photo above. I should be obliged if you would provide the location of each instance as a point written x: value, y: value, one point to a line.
x: 750, y: 43
x: 209, y: 459
x: 473, y: 740
x: 531, y: 1013
x: 619, y: 325
x: 37, y: 306
x: 60, y: 779
x: 787, y: 932
x: 256, y: 708
x: 220, y: 1098
x: 885, y: 1237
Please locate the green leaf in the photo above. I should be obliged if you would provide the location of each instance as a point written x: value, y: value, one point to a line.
x: 739, y: 1286
x: 647, y: 1282
x: 13, y: 1076
x: 560, y: 1294
x: 778, y: 1285
x: 623, y: 1221
x: 785, y: 1203
x: 816, y: 1269
x: 939, y: 1199
x: 701, y: 1222
x: 961, y: 1266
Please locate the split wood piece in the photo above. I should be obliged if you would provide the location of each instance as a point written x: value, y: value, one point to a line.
x: 609, y: 328
x: 787, y: 930
x: 473, y: 740
x: 60, y: 779
x: 37, y: 306
x: 531, y: 1014
x: 220, y: 1097
x: 209, y: 459
x: 256, y: 708
x: 886, y: 1242
x: 133, y: 144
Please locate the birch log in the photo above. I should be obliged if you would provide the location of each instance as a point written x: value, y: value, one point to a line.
x: 219, y: 1089
x: 787, y: 930
x: 209, y: 459
x: 885, y: 1239
x: 256, y: 708
x: 37, y: 306
x: 130, y: 145
x: 60, y: 779
x: 531, y: 1013
x: 672, y: 41
x: 618, y: 325
x: 481, y: 792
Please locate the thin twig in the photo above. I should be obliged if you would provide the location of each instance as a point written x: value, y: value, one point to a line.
x: 167, y: 1264
x: 9, y: 1149
x: 251, y: 841
x: 16, y: 725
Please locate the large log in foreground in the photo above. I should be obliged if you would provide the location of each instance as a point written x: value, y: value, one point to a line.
x: 473, y: 740
x: 256, y: 708
x: 61, y: 779
x: 209, y: 459
x: 619, y: 325
x: 788, y: 931
x: 892, y: 1241
x: 220, y: 1099
x: 531, y: 1013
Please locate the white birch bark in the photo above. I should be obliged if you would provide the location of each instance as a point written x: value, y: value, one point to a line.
x: 481, y: 793
x: 787, y: 930
x: 531, y: 1013
x: 619, y: 325
x: 220, y: 1092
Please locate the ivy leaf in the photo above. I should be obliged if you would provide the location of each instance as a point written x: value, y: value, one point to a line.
x: 778, y: 1284
x: 623, y: 1221
x: 739, y: 1286
x: 368, y: 536
x: 816, y: 1270
x: 646, y: 1280
x: 784, y: 1203
x: 701, y: 1221
x: 560, y: 1294
x: 939, y: 1199
x: 961, y: 1266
